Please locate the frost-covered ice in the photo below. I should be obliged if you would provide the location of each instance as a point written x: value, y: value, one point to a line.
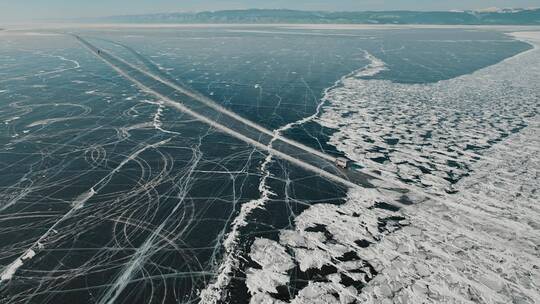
x: 454, y: 256
x: 335, y: 238
x: 471, y: 144
x: 274, y: 262
x: 429, y: 135
x: 10, y: 270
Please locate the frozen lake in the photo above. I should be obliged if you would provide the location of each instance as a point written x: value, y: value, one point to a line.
x: 110, y: 193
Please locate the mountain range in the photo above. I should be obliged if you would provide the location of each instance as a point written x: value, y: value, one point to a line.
x: 483, y: 17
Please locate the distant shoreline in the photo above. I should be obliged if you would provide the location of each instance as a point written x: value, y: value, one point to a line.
x: 528, y: 16
x: 508, y: 16
x: 56, y: 26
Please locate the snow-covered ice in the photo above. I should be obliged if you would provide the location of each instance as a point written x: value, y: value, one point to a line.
x: 471, y: 145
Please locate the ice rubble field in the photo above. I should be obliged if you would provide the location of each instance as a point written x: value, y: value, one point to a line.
x: 472, y: 143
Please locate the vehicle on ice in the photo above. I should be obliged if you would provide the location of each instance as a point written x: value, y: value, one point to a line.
x: 342, y: 162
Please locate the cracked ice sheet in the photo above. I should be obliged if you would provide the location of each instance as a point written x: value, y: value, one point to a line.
x: 474, y: 246
x: 58, y: 141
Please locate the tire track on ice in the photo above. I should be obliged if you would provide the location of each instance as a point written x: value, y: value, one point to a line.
x: 182, y: 108
x: 143, y: 252
x: 10, y: 270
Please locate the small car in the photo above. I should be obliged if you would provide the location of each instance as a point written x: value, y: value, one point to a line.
x: 342, y: 162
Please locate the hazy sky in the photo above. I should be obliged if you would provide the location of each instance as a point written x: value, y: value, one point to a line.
x: 26, y: 10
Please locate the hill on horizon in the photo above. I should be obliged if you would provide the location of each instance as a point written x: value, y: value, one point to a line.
x: 254, y: 16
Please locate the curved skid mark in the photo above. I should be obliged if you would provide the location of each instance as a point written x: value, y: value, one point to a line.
x: 78, y: 203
